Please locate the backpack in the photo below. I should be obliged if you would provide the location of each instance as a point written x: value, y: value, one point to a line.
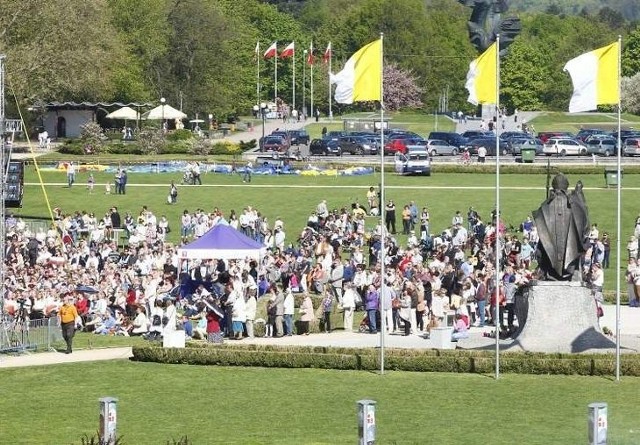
x: 156, y: 321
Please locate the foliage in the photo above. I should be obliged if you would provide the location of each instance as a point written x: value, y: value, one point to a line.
x: 151, y: 141
x: 95, y: 440
x: 92, y: 138
x: 180, y: 135
x: 400, y: 88
x: 199, y: 146
x: 631, y: 93
x: 631, y: 54
x: 396, y: 359
x: 523, y: 77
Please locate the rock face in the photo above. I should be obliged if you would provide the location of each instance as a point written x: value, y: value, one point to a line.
x: 556, y: 316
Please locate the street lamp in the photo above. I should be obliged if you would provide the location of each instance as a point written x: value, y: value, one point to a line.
x: 164, y: 127
x: 262, y: 109
x: 210, y: 122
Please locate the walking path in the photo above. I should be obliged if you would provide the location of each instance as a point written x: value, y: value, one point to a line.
x: 629, y: 327
x: 510, y: 125
x: 270, y: 126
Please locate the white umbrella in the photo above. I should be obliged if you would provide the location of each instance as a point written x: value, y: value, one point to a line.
x: 164, y: 112
x: 196, y: 121
x: 125, y: 113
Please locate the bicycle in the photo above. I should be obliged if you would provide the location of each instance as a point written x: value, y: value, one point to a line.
x: 465, y: 158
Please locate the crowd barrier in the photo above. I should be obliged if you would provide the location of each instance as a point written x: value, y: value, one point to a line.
x: 20, y: 336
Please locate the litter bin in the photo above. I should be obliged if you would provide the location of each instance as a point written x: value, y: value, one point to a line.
x: 528, y: 155
x: 611, y: 176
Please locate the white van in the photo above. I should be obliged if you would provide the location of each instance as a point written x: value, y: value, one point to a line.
x: 414, y: 162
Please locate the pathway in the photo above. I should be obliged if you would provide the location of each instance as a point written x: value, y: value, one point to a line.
x: 510, y: 125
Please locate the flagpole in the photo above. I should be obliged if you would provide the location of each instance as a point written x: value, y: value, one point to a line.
x: 293, y: 64
x: 258, y: 55
x: 496, y: 317
x: 275, y: 84
x: 383, y: 292
x: 311, y: 91
x: 329, y: 76
x: 618, y: 215
x: 304, y: 81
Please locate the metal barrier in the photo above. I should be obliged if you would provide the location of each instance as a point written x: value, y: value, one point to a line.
x: 20, y: 336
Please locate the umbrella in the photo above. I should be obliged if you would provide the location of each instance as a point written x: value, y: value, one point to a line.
x: 86, y: 289
x: 164, y: 112
x: 125, y: 113
x: 196, y: 121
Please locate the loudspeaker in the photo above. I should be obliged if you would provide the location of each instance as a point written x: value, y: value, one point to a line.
x: 14, y: 184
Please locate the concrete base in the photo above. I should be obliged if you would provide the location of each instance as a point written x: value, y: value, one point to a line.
x: 174, y: 339
x: 558, y: 317
x: 441, y: 338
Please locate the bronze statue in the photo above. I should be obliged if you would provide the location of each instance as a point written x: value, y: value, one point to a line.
x: 562, y: 222
x: 485, y: 23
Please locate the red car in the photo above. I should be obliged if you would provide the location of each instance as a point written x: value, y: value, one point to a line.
x: 398, y: 143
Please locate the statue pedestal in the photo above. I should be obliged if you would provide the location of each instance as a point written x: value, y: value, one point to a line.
x: 558, y: 316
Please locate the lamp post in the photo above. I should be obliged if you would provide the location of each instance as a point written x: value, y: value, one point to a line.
x: 210, y: 122
x: 162, y: 102
x: 263, y: 110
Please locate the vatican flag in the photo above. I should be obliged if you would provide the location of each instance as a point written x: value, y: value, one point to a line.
x: 361, y: 78
x: 595, y: 76
x: 482, y: 77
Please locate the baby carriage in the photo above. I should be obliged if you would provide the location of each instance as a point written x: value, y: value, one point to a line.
x: 188, y: 178
x: 364, y: 324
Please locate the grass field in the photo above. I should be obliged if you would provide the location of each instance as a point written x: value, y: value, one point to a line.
x: 550, y: 121
x: 292, y: 198
x: 215, y: 405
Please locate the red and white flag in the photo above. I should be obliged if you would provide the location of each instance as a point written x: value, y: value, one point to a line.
x: 310, y: 56
x: 272, y: 51
x: 288, y: 51
x: 327, y: 54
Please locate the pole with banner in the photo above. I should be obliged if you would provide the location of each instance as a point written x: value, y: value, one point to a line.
x: 311, y: 81
x: 496, y: 317
x: 618, y: 210
x: 383, y: 285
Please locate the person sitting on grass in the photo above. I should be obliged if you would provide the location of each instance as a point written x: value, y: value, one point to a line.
x: 140, y: 324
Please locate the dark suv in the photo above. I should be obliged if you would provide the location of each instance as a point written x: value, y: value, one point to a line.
x: 454, y: 139
x: 299, y: 137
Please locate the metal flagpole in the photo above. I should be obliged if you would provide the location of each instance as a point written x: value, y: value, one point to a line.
x: 293, y: 64
x: 311, y: 86
x: 329, y: 76
x: 258, y: 55
x: 618, y: 214
x: 304, y: 81
x: 496, y: 316
x: 275, y: 84
x: 383, y: 285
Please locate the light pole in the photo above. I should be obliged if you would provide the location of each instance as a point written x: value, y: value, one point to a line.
x: 210, y: 122
x: 162, y: 101
x: 263, y: 109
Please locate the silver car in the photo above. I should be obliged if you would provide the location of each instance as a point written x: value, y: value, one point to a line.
x: 632, y: 147
x: 564, y: 147
x: 602, y: 146
x: 437, y: 147
x: 519, y: 143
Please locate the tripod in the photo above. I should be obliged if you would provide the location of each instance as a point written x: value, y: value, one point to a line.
x: 19, y: 329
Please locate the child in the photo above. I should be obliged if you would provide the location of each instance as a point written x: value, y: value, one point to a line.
x: 90, y: 183
x: 107, y: 188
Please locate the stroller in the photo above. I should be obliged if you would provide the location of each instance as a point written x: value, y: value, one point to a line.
x: 188, y: 178
x: 364, y: 324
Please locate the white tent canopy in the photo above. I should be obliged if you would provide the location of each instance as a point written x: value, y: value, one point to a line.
x: 164, y: 112
x: 125, y: 113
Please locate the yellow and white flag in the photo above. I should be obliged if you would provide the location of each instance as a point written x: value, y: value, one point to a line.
x: 482, y: 77
x: 361, y: 78
x: 595, y: 76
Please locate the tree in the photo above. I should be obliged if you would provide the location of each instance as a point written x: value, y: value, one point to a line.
x: 523, y: 77
x: 400, y: 88
x: 631, y: 94
x: 631, y: 54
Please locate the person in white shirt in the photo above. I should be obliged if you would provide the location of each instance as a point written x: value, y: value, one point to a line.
x: 349, y: 306
x: 289, y: 310
x: 140, y: 324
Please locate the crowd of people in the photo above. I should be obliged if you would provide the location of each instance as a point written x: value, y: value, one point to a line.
x: 124, y: 278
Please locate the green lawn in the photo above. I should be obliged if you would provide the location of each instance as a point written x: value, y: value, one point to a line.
x: 555, y: 121
x: 292, y: 198
x: 215, y: 405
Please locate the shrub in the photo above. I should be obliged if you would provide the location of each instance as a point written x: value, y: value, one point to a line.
x: 180, y: 135
x: 92, y: 138
x: 479, y: 362
x: 225, y: 148
x: 71, y: 149
x: 199, y: 146
x: 245, y: 146
x: 151, y: 141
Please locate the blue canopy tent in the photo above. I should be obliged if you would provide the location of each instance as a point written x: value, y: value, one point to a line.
x: 222, y: 242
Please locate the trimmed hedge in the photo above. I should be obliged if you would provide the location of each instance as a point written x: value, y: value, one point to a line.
x: 426, y: 360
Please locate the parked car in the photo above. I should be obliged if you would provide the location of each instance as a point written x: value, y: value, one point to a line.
x: 398, y: 143
x: 373, y: 141
x: 324, y: 147
x: 415, y: 162
x: 437, y: 147
x: 544, y: 136
x: 274, y: 143
x: 489, y: 144
x: 632, y: 147
x: 585, y: 133
x: 299, y: 137
x: 356, y: 145
x: 334, y: 135
x: 506, y: 135
x: 450, y: 137
x: 564, y: 147
x: 476, y: 134
x: 602, y: 146
x: 516, y: 144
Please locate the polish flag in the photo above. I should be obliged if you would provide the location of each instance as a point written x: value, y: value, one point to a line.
x: 272, y: 51
x: 288, y: 51
x: 327, y: 54
x: 310, y: 57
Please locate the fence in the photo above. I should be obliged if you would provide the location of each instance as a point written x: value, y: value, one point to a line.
x: 19, y: 336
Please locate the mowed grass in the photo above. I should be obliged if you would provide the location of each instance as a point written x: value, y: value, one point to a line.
x: 292, y: 198
x: 555, y: 121
x: 216, y: 405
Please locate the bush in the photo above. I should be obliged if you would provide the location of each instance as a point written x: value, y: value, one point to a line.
x: 71, y: 149
x: 180, y: 135
x: 225, y: 148
x: 459, y: 361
